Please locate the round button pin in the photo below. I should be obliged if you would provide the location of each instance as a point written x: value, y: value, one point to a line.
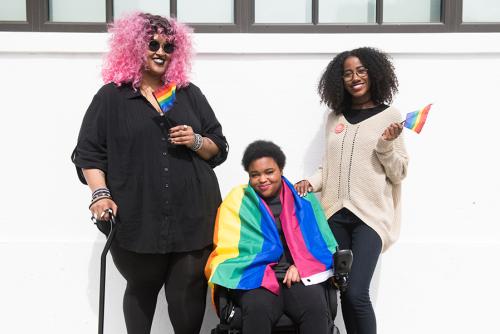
x: 339, y: 128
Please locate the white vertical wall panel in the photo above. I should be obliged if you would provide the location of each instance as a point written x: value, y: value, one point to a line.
x: 444, y: 264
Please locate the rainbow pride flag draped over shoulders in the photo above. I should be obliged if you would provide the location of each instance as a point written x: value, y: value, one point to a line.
x: 248, y: 245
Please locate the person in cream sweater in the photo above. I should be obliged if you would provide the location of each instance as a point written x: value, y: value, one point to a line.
x: 364, y: 163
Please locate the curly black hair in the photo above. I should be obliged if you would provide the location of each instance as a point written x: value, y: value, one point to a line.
x: 260, y: 149
x: 384, y: 83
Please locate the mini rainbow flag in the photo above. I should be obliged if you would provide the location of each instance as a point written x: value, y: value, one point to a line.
x: 165, y: 96
x: 248, y: 244
x: 415, y: 120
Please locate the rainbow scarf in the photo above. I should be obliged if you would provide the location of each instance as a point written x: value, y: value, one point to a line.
x: 247, y: 242
x: 415, y: 120
x: 165, y: 96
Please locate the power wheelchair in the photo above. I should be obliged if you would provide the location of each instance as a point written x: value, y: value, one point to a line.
x: 230, y: 314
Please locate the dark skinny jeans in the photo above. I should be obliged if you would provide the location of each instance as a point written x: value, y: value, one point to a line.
x: 352, y: 233
x: 185, y: 288
x: 305, y: 305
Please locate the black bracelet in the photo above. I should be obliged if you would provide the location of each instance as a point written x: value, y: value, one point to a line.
x: 100, y: 192
x: 98, y: 199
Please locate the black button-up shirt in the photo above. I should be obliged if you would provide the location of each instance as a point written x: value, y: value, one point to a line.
x: 167, y: 195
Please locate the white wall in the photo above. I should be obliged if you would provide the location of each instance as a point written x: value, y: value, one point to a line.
x: 440, y: 278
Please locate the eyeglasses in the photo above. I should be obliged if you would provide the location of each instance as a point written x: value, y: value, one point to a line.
x: 361, y: 72
x: 154, y: 46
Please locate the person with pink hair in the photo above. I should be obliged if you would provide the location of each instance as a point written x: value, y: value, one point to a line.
x: 147, y: 148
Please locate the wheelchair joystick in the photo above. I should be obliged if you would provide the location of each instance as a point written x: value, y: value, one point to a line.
x: 342, y: 260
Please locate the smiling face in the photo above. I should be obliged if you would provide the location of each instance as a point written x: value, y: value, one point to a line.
x: 356, y: 80
x: 157, y: 61
x: 265, y: 177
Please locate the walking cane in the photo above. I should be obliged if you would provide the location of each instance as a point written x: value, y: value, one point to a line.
x: 109, y: 229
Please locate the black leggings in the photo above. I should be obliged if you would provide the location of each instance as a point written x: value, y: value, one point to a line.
x: 357, y: 310
x: 185, y: 288
x: 305, y: 305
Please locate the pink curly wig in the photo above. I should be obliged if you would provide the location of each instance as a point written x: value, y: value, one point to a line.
x: 130, y: 36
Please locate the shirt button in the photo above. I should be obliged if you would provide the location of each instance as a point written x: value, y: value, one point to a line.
x: 166, y: 186
x: 165, y: 169
x: 163, y: 139
x: 161, y: 123
x: 164, y: 153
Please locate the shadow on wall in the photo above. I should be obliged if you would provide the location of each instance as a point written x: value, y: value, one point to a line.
x: 315, y: 150
x: 114, y: 321
x: 115, y: 286
x: 374, y: 287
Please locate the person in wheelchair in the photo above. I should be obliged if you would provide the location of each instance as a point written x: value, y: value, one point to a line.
x: 273, y: 248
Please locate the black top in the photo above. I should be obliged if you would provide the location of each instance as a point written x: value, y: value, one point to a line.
x: 286, y: 258
x: 355, y: 116
x: 345, y: 216
x: 167, y: 195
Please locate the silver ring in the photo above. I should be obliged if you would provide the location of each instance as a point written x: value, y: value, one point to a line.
x: 185, y: 127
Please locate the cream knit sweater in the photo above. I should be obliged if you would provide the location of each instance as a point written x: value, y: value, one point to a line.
x: 363, y: 173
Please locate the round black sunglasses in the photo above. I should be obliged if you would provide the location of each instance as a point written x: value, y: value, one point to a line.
x: 154, y: 46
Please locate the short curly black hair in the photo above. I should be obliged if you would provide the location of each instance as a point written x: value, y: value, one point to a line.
x: 260, y: 149
x: 384, y: 83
